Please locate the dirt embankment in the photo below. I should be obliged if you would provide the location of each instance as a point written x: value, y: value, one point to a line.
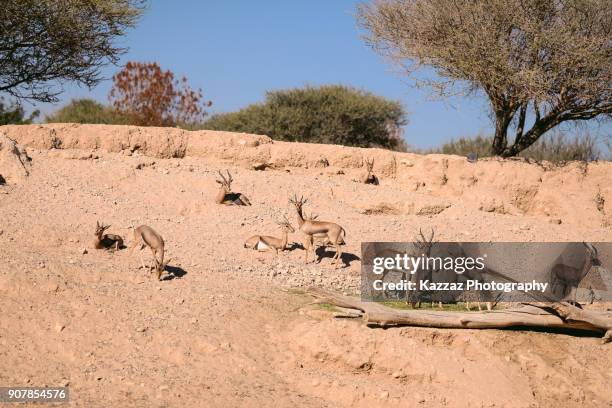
x: 490, y: 185
x: 221, y: 329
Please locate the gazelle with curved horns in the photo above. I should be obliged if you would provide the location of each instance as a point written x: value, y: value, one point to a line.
x: 145, y: 236
x: 267, y: 243
x: 106, y: 241
x: 370, y: 177
x: 225, y: 194
x: 320, y: 229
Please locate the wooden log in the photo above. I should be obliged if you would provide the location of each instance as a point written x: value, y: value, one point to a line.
x: 554, y: 316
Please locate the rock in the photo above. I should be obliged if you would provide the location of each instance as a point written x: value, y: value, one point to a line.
x: 432, y: 209
x: 260, y: 166
x: 557, y: 221
x: 384, y: 395
x: 14, y: 161
x: 52, y: 287
x: 141, y: 329
x: 84, y: 251
x: 59, y: 327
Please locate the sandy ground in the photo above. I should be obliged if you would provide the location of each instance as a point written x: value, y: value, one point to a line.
x: 231, y: 327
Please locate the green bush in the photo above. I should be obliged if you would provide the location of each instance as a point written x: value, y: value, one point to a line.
x: 14, y: 114
x: 556, y: 147
x: 333, y: 114
x: 480, y: 145
x: 88, y: 111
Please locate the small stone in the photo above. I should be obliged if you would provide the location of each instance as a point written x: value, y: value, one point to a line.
x: 59, y: 327
x: 163, y: 387
x: 315, y: 383
x: 384, y: 395
x: 52, y: 287
x: 84, y: 251
x: 141, y: 329
x: 555, y: 221
x: 41, y: 264
x: 396, y: 374
x: 65, y: 382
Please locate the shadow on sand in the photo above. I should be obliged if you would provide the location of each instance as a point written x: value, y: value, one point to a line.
x: 174, y: 272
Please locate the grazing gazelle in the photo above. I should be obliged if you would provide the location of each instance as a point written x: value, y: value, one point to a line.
x: 267, y: 243
x: 225, y: 194
x: 370, y: 177
x: 423, y: 247
x: 145, y: 236
x: 106, y: 241
x: 333, y: 233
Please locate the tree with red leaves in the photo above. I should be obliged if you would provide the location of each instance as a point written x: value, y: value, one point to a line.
x: 152, y: 97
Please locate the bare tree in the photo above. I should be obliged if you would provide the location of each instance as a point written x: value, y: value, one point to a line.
x: 540, y: 63
x: 46, y: 41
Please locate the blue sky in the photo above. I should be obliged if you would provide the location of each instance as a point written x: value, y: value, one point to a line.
x: 235, y: 50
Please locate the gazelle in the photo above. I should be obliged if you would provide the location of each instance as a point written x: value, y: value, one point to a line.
x: 225, y: 194
x: 145, y: 236
x: 267, y: 243
x: 333, y: 233
x: 370, y: 177
x: 321, y: 238
x: 106, y: 241
x: 424, y: 247
x: 568, y: 278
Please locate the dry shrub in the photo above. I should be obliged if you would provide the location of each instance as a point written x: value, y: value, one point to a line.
x: 152, y: 97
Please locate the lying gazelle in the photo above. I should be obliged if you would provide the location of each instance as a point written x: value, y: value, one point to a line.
x: 333, y: 233
x: 268, y: 243
x: 106, y: 241
x: 225, y: 194
x: 370, y: 177
x: 145, y: 236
